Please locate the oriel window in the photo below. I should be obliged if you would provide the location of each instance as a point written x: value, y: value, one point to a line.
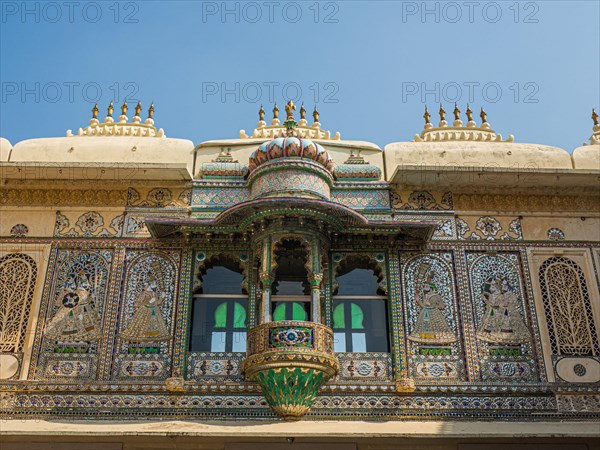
x: 290, y: 292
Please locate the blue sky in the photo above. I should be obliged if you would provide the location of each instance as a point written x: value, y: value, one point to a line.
x: 370, y: 66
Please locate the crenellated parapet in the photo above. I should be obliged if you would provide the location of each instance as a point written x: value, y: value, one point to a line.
x: 122, y: 127
x: 277, y: 129
x: 457, y: 131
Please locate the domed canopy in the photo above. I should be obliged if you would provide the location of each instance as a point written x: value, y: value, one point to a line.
x: 290, y: 147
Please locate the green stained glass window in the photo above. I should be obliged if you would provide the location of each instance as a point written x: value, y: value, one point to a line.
x: 339, y: 321
x: 290, y: 311
x: 356, y: 316
x: 221, y: 315
x: 239, y: 316
x: 218, y: 325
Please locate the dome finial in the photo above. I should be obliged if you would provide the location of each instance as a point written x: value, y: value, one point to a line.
x: 289, y: 110
x: 315, y: 114
x: 95, y: 111
x: 483, y: 116
x: 469, y: 113
x: 275, y: 111
x: 456, y: 112
x: 138, y: 108
x: 442, y: 113
x: 110, y: 109
x: 261, y: 113
x: 302, y: 111
x: 594, y: 116
x: 151, y: 111
x: 426, y: 116
x: 124, y: 107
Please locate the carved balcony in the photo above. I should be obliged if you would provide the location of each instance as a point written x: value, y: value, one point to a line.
x: 290, y: 360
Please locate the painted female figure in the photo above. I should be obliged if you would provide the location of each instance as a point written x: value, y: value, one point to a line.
x: 502, y: 323
x: 431, y: 326
x: 147, y: 323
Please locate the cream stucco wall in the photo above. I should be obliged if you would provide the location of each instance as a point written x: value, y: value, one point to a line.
x: 5, y: 149
x: 493, y: 155
x: 587, y: 157
x: 105, y: 150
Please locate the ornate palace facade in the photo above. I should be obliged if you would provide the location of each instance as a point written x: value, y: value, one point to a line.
x: 291, y: 273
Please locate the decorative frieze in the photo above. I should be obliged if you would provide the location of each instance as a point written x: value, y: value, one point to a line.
x: 63, y: 197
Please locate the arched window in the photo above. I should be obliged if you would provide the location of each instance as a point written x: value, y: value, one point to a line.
x: 17, y: 281
x: 567, y: 308
x: 219, y: 309
x: 291, y: 290
x: 360, y: 322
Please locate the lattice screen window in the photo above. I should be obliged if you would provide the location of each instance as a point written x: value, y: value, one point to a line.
x: 567, y: 307
x: 18, y: 273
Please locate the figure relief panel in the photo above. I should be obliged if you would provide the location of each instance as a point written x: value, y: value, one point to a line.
x: 73, y: 315
x: 567, y: 302
x: 18, y: 274
x: 145, y: 330
x: 435, y: 351
x: 503, y: 329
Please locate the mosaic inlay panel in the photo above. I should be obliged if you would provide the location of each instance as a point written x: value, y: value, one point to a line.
x: 223, y: 366
x: 359, y: 199
x: 290, y: 182
x: 145, y: 329
x: 433, y: 327
x: 504, y: 339
x: 72, y: 315
x: 207, y: 197
x: 364, y: 367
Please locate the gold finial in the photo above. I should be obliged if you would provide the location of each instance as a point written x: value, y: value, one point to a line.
x: 124, y: 108
x: 289, y: 110
x: 469, y: 113
x: 151, y: 111
x: 138, y: 108
x: 316, y: 114
x: 110, y: 109
x: 594, y: 116
x: 483, y: 116
x: 442, y: 113
x: 426, y: 116
x: 456, y: 112
x: 261, y: 113
x: 275, y: 111
x: 302, y: 112
x: 95, y: 111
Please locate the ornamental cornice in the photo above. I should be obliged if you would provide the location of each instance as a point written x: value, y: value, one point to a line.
x: 63, y: 197
x: 476, y: 202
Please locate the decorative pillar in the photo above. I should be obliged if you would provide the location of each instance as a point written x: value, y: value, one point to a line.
x: 265, y: 304
x: 402, y: 380
x: 315, y: 279
x: 315, y: 284
x: 266, y: 280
